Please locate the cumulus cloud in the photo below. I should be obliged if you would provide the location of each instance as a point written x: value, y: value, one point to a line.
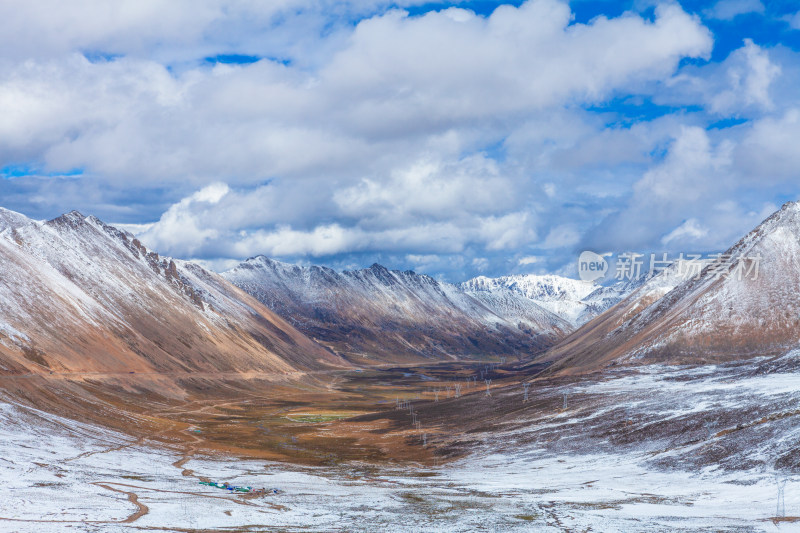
x: 461, y: 67
x: 198, y: 225
x: 561, y: 237
x: 706, y: 192
x: 175, y: 30
x: 181, y: 226
x: 398, y: 85
x: 738, y: 86
x: 690, y: 231
x: 729, y: 9
x: 430, y: 189
x: 769, y: 150
x: 444, y: 140
x: 689, y: 175
x: 480, y: 264
x: 750, y: 76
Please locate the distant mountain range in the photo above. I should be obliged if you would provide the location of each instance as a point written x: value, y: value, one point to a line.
x: 575, y: 301
x: 381, y: 315
x: 376, y: 314
x: 81, y: 296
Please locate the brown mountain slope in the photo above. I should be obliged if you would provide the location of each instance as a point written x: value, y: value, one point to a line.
x: 79, y: 296
x: 702, y: 319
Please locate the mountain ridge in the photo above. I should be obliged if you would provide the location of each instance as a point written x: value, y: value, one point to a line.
x: 386, y: 310
x: 82, y: 296
x: 574, y: 300
x: 718, y: 315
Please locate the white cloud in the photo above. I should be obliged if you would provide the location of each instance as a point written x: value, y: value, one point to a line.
x: 136, y: 229
x: 738, y: 86
x: 45, y: 27
x: 506, y: 232
x: 692, y: 173
x: 395, y: 89
x: 174, y: 30
x: 750, y: 76
x: 421, y: 136
x: 217, y: 265
x: 422, y: 259
x: 729, y: 9
x: 481, y: 264
x: 675, y: 180
x: 690, y: 231
x: 794, y: 21
x: 706, y: 192
x: 769, y: 150
x: 561, y: 237
x: 199, y: 225
x: 181, y: 227
x: 284, y: 241
x: 430, y: 189
x: 211, y: 194
x: 529, y: 260
x: 440, y: 69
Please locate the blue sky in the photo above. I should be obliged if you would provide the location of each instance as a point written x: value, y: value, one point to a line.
x: 456, y: 139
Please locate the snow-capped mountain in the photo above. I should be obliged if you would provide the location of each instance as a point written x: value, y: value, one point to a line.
x: 744, y: 304
x: 77, y: 295
x: 573, y: 300
x: 378, y: 314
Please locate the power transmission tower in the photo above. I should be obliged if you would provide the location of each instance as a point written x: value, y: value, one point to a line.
x: 780, y: 510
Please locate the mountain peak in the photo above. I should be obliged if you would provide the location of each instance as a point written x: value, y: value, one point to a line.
x: 375, y: 267
x: 789, y: 213
x: 73, y: 219
x: 258, y: 259
x: 260, y: 262
x: 119, y: 307
x: 12, y: 219
x: 574, y: 300
x: 91, y: 218
x: 742, y: 304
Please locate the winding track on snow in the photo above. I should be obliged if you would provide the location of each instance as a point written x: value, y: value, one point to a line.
x: 141, y: 509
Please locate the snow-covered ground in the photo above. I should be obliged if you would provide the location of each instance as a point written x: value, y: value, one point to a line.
x: 61, y: 475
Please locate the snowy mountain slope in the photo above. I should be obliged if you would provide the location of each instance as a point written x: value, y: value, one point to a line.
x: 659, y: 449
x: 723, y: 314
x: 546, y: 288
x: 384, y: 315
x: 81, y: 296
x: 11, y: 219
x: 573, y: 300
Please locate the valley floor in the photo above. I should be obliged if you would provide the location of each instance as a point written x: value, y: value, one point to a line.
x: 653, y: 449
